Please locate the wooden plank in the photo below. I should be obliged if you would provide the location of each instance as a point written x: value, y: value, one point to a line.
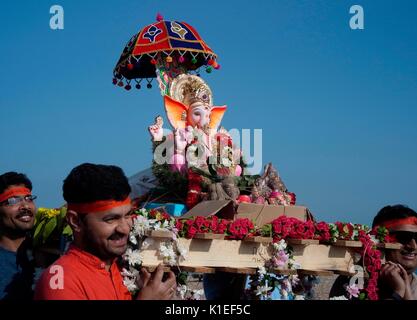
x: 153, y: 268
x: 303, y: 242
x: 344, y: 273
x: 160, y: 234
x: 323, y: 257
x: 243, y: 254
x: 198, y: 269
x: 259, y: 239
x: 208, y: 236
x: 323, y: 273
x: 348, y: 243
x: 390, y: 246
x: 286, y: 272
x: 248, y: 271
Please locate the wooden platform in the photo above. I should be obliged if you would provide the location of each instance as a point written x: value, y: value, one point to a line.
x: 212, y: 255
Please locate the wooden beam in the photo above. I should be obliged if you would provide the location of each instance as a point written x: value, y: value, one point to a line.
x: 259, y: 239
x: 198, y: 269
x: 208, y: 236
x: 323, y: 273
x: 390, y: 246
x: 248, y: 271
x: 302, y: 242
x: 286, y: 272
x: 153, y: 268
x: 348, y: 243
x: 160, y: 234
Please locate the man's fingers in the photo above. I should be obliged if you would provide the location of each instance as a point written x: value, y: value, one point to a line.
x: 158, y: 273
x: 145, y: 276
x: 171, y: 279
x: 403, y: 272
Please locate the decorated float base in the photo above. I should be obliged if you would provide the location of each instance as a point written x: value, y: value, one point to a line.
x: 208, y: 253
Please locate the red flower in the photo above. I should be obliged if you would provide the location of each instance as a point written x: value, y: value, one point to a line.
x: 199, y: 223
x: 178, y: 225
x: 191, y: 232
x: 293, y: 198
x: 214, y: 223
x: 222, y: 226
x: 322, y: 232
x: 240, y: 228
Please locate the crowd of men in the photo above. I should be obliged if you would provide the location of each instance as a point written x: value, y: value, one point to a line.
x: 99, y: 212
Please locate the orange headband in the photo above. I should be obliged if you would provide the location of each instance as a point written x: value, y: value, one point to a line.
x: 395, y: 223
x: 97, y: 206
x: 16, y: 191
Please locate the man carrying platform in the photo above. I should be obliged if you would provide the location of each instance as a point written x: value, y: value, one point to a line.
x: 397, y: 279
x: 100, y: 215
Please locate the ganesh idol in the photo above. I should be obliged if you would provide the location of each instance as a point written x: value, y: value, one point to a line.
x: 195, y: 120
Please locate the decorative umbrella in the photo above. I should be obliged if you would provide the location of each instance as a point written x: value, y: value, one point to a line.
x: 163, y: 49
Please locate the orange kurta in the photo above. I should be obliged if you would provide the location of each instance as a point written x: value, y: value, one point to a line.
x: 84, y: 277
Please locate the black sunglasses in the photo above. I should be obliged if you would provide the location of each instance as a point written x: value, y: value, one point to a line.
x: 404, y: 237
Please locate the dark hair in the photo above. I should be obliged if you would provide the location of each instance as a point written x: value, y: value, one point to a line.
x: 92, y: 182
x: 393, y: 212
x: 13, y: 178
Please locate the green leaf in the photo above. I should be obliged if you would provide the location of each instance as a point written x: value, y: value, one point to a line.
x: 38, y: 232
x: 61, y: 218
x: 49, y: 228
x: 67, y: 231
x: 182, y: 278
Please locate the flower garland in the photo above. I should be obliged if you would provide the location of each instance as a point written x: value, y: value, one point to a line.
x: 171, y: 251
x: 265, y: 282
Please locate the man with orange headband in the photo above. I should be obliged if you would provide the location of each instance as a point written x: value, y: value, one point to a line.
x: 397, y: 278
x: 17, y: 214
x: 100, y: 215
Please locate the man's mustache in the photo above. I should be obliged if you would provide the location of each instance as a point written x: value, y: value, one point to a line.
x: 117, y: 236
x: 25, y: 212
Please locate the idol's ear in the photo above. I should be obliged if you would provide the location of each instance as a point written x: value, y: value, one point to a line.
x: 216, y: 116
x: 175, y: 111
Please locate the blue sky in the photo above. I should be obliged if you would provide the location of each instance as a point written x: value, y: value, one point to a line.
x: 338, y: 107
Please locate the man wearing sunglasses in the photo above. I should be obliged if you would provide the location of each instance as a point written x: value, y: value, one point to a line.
x: 397, y: 278
x: 17, y: 214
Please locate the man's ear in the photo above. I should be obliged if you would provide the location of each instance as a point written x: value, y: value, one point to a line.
x: 74, y: 220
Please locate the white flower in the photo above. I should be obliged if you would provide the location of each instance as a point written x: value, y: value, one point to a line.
x: 144, y: 212
x: 280, y: 246
x: 182, y: 251
x: 132, y: 238
x: 294, y: 280
x: 140, y: 226
x: 226, y: 162
x: 133, y: 257
x: 168, y: 254
x: 262, y: 270
x: 147, y: 243
x: 196, y: 295
x: 263, y: 290
x: 130, y: 284
x: 374, y: 239
x: 182, y: 291
x: 339, y: 298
